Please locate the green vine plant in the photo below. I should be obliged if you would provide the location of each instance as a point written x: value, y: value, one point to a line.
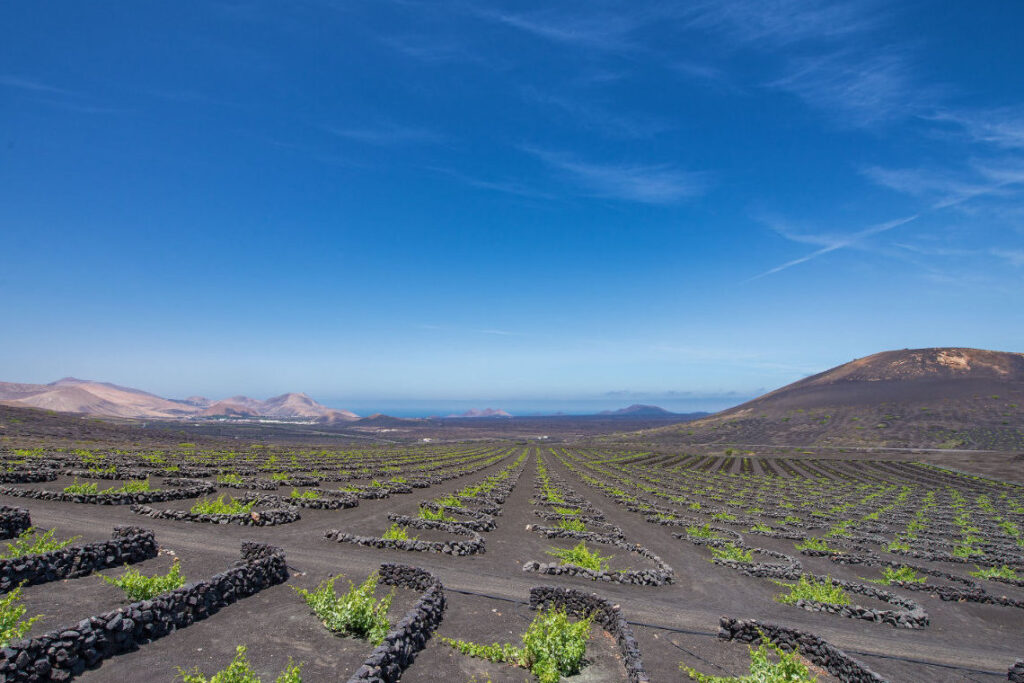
x: 436, y: 516
x: 768, y: 664
x: 811, y: 589
x: 12, y: 624
x: 88, y: 488
x: 240, y: 671
x: 581, y: 556
x: 898, y: 575
x: 130, y: 487
x: 1004, y: 572
x: 92, y: 489
x: 218, y: 506
x: 355, y: 613
x: 815, y: 543
x: 731, y: 552
x: 553, y: 646
x: 702, y: 531
x: 397, y: 533
x: 137, y: 586
x: 32, y: 542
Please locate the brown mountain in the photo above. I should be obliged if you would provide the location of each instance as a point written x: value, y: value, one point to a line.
x: 70, y: 395
x: 937, y: 397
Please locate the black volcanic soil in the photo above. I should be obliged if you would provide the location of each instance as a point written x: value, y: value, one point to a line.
x: 550, y: 429
x: 675, y: 623
x: 29, y: 427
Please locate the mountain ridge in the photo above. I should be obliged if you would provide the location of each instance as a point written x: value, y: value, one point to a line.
x: 73, y: 395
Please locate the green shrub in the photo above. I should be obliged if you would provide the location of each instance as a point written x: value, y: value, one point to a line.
x: 12, y: 626
x: 356, y: 613
x: 129, y: 487
x: 31, y: 542
x: 89, y: 488
x: 309, y: 494
x: 788, y: 668
x: 731, y: 551
x: 1003, y: 572
x: 809, y: 588
x: 438, y: 516
x: 239, y: 671
x: 217, y: 506
x: 702, y: 531
x: 568, y: 512
x: 581, y: 556
x: 495, y: 652
x: 571, y: 525
x: 552, y: 646
x: 139, y: 587
x: 814, y: 543
x: 397, y: 533
x: 229, y: 478
x: 899, y: 575
x: 967, y: 550
x: 553, y: 495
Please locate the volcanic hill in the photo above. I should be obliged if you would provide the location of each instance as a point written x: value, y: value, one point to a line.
x: 935, y: 398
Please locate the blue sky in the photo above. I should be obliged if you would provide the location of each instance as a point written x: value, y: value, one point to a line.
x: 390, y: 203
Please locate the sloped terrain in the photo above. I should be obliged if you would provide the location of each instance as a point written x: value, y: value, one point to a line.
x: 934, y: 398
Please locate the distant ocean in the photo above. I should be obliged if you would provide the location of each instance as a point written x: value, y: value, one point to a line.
x: 523, y: 407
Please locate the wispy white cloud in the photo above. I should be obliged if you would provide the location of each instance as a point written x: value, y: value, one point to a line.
x: 502, y: 333
x: 496, y: 185
x: 586, y: 28
x: 386, y: 134
x: 50, y: 95
x: 835, y: 243
x: 857, y: 89
x: 1015, y: 257
x: 942, y: 188
x: 829, y: 56
x: 947, y: 189
x: 426, y: 48
x: 705, y: 73
x: 1000, y: 126
x: 644, y: 183
x: 782, y: 22
x: 598, y: 117
x: 30, y: 85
